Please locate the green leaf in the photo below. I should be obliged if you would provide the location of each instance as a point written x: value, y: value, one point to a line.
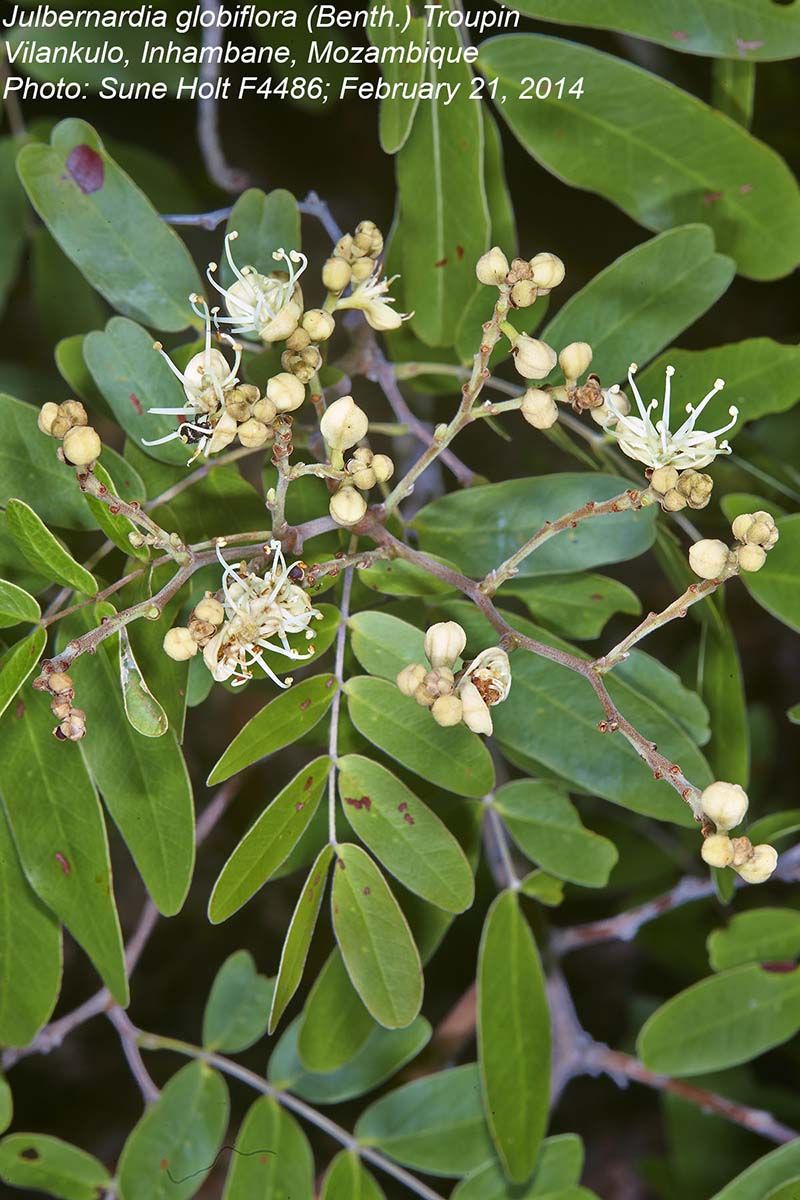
x: 396, y: 112
x: 298, y: 936
x: 54, y: 275
x: 30, y: 951
x: 401, y: 578
x: 113, y: 524
x: 287, y: 1170
x: 763, y: 935
x: 578, y: 606
x: 58, y: 828
x: 558, y: 1166
x: 269, y: 841
x: 776, y: 585
x: 346, y: 1178
x: 513, y: 1037
x: 334, y: 1024
x: 6, y: 1105
x: 501, y: 206
x: 720, y: 176
x: 265, y: 222
x: 181, y: 1132
x: 46, y: 1164
x: 480, y: 527
x: 73, y: 370
x: 733, y: 89
x: 143, y: 781
x: 141, y: 707
x: 384, y: 644
x: 44, y: 551
x: 544, y: 888
x: 724, y: 1020
x: 761, y: 377
x: 30, y: 471
x: 375, y: 940
x: 108, y: 227
x: 715, y: 30
x: 17, y: 605
x: 644, y: 300
x: 434, y: 1124
x: 774, y: 826
x: 12, y: 227
x: 165, y: 678
x: 382, y: 1055
x: 453, y: 758
x: 278, y: 724
x: 18, y: 664
x: 406, y: 837
x: 443, y: 223
x: 547, y: 828
x: 238, y: 1005
x: 764, y: 1175
x: 720, y: 682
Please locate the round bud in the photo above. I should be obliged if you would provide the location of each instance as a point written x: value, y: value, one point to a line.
x: 383, y: 467
x: 673, y: 501
x: 741, y: 526
x: 47, y: 415
x: 336, y: 274
x: 204, y: 370
x: 725, y: 804
x: 298, y: 340
x: 347, y: 506
x: 82, y: 445
x: 533, y: 359
x: 60, y: 708
x: 362, y: 270
x: 708, y: 558
x: 760, y: 865
x: 265, y: 410
x: 60, y: 682
x: 253, y: 434
x: 604, y: 414
x: 369, y: 237
x: 423, y: 697
x: 447, y: 710
x: 343, y: 424
x: 439, y: 682
x: 318, y: 324
x: 73, y: 728
x: 547, y: 270
x: 283, y: 324
x: 474, y: 712
x: 444, y: 642
x: 238, y: 405
x: 410, y: 678
x: 363, y: 478
x: 524, y: 293
x: 575, y: 359
x: 742, y: 851
x: 210, y: 611
x: 224, y: 433
x: 286, y: 392
x: 751, y: 558
x: 179, y: 644
x: 539, y: 408
x: 717, y: 850
x: 663, y: 479
x: 492, y: 267
x: 74, y: 411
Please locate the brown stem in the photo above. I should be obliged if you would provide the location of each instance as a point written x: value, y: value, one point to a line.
x: 229, y: 178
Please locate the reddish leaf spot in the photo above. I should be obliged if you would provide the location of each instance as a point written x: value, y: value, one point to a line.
x: 745, y: 188
x: 366, y: 891
x: 459, y: 252
x: 134, y: 399
x: 441, y: 263
x: 407, y: 817
x: 596, y: 596
x: 779, y: 968
x: 680, y: 36
x: 330, y: 682
x: 304, y: 705
x: 341, y: 864
x: 262, y: 1158
x: 86, y: 167
x: 63, y: 863
x: 308, y: 783
x: 20, y: 710
x: 402, y: 807
x: 30, y: 1154
x: 712, y: 198
x: 742, y: 46
x: 359, y: 802
x: 164, y: 1164
x: 299, y: 806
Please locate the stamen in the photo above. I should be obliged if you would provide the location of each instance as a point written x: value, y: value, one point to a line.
x: 231, y: 237
x: 719, y: 384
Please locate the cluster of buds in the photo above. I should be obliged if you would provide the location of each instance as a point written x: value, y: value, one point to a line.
x: 755, y: 533
x: 80, y: 442
x: 725, y: 804
x: 71, y: 725
x: 356, y: 264
x: 680, y: 489
x: 525, y: 279
x: 343, y: 425
x: 256, y: 613
x: 453, y: 697
x: 367, y: 469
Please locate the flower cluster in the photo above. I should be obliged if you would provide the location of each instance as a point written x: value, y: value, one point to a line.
x: 725, y: 804
x: 71, y: 725
x: 525, y: 279
x: 356, y: 264
x: 256, y: 613
x: 756, y: 534
x: 80, y: 443
x: 681, y: 489
x: 466, y: 695
x: 343, y: 425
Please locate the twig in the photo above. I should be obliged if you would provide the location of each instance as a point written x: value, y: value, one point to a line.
x: 208, y: 220
x: 130, y: 1048
x: 313, y: 206
x: 498, y: 851
x: 229, y: 178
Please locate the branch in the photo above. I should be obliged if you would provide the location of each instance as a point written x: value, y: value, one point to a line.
x: 130, y: 1047
x: 229, y: 178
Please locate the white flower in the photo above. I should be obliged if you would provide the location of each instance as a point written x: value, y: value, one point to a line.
x: 268, y: 306
x: 484, y: 683
x: 260, y: 615
x: 653, y: 444
x: 206, y: 381
x: 372, y: 299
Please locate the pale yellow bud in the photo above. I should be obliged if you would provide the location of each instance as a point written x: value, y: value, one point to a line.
x: 751, y: 558
x: 539, y: 408
x: 179, y: 644
x: 575, y: 359
x: 343, y: 424
x: 673, y: 501
x: 283, y: 324
x: 475, y: 714
x: 492, y: 267
x: 741, y: 525
x: 410, y: 678
x: 318, y: 324
x: 336, y: 274
x: 547, y: 270
x: 760, y: 865
x: 60, y: 682
x: 725, y: 804
x: 444, y: 643
x: 524, y: 293
x: 253, y: 434
x: 210, y: 610
x: 362, y: 269
x: 708, y: 558
x: 533, y: 359
x: 717, y: 850
x: 265, y: 410
x: 383, y: 467
x: 347, y: 506
x: 447, y: 710
x: 286, y: 392
x: 82, y: 445
x: 224, y: 433
x: 47, y: 415
x: 663, y: 479
x: 363, y: 478
x: 439, y: 682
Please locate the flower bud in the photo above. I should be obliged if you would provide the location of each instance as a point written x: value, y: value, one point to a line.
x: 539, y: 408
x: 756, y: 529
x: 369, y: 239
x: 60, y: 708
x: 410, y: 678
x: 444, y: 642
x: 547, y: 270
x: 286, y: 392
x: 264, y: 410
x: 298, y: 340
x: 283, y: 324
x: 210, y: 610
x: 751, y: 558
x: 383, y: 467
x: 343, y: 424
x: 179, y: 644
x: 253, y: 434
x: 717, y: 850
x: 760, y: 865
x: 475, y: 714
x: 696, y: 488
x: 492, y: 267
x: 303, y: 364
x: 575, y: 359
x: 664, y: 479
x: 336, y: 274
x: 60, y: 682
x: 362, y: 270
x: 347, y: 506
x: 73, y: 728
x: 82, y: 445
x: 533, y: 359
x: 74, y: 411
x: 524, y: 293
x: 742, y: 851
x: 447, y: 710
x: 318, y: 324
x: 224, y: 433
x: 603, y: 415
x: 725, y: 804
x: 363, y: 477
x: 47, y: 415
x: 440, y: 681
x: 741, y: 525
x: 239, y: 404
x: 708, y: 558
x: 673, y: 501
